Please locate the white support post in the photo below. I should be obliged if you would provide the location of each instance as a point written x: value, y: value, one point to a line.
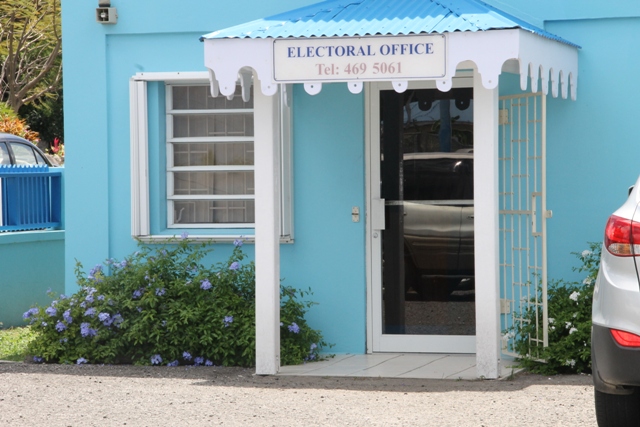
x: 486, y: 223
x: 267, y: 191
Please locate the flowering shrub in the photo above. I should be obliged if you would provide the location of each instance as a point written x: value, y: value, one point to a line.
x: 58, y: 147
x: 11, y: 123
x: 569, y: 316
x: 163, y: 307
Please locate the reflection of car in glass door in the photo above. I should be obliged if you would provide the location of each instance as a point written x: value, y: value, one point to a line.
x: 438, y: 224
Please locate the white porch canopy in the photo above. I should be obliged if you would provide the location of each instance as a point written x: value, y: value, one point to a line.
x: 474, y: 33
x: 322, y: 43
x: 535, y: 58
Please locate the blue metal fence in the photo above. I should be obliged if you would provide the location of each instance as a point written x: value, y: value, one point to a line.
x: 30, y: 197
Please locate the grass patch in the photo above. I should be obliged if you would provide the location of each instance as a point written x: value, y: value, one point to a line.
x: 13, y: 343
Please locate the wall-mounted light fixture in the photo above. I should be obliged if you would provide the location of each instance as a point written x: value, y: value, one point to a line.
x: 105, y: 14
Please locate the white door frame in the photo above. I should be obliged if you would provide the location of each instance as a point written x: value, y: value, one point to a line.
x: 376, y: 340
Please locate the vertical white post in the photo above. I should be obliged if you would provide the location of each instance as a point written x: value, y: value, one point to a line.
x: 485, y: 178
x: 267, y: 190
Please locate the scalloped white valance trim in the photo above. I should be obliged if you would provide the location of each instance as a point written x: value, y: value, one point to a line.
x: 543, y: 62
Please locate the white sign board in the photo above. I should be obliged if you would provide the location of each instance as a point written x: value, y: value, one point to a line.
x: 359, y: 58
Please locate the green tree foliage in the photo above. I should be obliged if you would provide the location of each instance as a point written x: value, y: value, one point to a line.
x: 30, y: 51
x: 46, y: 117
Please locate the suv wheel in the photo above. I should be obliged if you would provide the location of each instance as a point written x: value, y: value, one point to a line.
x: 617, y: 410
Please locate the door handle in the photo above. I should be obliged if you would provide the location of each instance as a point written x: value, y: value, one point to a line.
x: 377, y: 214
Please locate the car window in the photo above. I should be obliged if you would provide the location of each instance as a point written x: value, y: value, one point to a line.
x: 4, y: 154
x: 438, y: 179
x: 24, y: 155
x: 39, y: 158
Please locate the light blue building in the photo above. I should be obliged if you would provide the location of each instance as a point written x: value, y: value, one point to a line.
x: 314, y: 145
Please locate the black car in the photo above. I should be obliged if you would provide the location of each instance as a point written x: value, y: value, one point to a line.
x: 18, y: 151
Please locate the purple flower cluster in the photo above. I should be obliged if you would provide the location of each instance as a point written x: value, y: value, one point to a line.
x: 160, y: 291
x: 205, y: 285
x: 137, y: 293
x: 90, y: 312
x: 51, y: 311
x: 94, y: 271
x: 81, y: 361
x: 38, y: 359
x: 87, y: 331
x: 184, y: 235
x: 235, y: 265
x: 105, y: 318
x: 156, y: 359
x: 117, y: 319
x: 60, y: 326
x: 237, y: 243
x: 312, y: 355
x: 228, y: 320
x: 294, y: 328
x: 174, y: 363
x: 198, y: 361
x: 31, y: 312
x: 67, y: 316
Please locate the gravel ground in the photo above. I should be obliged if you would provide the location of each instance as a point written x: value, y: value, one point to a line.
x: 56, y: 395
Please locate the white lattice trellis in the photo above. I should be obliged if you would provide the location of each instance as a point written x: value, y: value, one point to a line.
x: 523, y: 214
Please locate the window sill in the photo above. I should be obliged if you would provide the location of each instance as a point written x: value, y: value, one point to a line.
x: 160, y: 238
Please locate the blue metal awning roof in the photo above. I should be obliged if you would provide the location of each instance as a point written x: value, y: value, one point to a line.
x: 357, y: 18
x: 473, y: 35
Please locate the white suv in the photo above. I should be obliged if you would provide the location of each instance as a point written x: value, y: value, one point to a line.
x: 615, y: 333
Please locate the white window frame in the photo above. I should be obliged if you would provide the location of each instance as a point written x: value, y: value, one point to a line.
x: 139, y: 145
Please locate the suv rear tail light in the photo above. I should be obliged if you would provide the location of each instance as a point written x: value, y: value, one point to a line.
x: 622, y: 236
x: 625, y: 339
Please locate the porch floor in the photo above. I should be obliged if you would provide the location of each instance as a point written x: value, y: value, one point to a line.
x: 397, y: 365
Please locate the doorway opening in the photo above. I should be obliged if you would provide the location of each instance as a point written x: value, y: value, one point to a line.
x: 425, y: 179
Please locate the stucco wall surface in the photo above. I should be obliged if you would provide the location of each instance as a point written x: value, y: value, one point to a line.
x: 31, y: 264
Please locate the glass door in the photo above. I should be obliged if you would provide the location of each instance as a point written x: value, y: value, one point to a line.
x: 422, y: 244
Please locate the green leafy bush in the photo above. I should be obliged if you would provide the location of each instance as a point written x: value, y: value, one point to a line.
x: 569, y: 315
x: 163, y: 307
